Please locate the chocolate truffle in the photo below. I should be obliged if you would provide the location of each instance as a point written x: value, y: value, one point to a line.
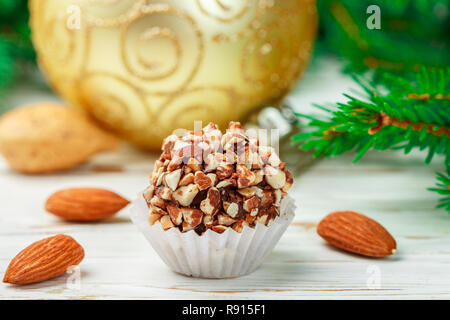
x: 208, y: 180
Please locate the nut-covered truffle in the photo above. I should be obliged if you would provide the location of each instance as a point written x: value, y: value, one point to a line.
x: 205, y: 180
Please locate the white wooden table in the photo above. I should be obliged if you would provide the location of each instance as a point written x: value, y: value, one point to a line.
x: 120, y: 264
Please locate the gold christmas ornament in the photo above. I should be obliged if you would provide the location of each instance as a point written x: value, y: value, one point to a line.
x: 144, y: 68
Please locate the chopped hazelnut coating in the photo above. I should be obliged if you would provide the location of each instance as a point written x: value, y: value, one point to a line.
x: 209, y: 180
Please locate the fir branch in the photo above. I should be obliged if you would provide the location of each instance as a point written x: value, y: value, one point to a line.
x: 7, y: 69
x: 443, y: 188
x: 386, y: 121
x: 411, y: 114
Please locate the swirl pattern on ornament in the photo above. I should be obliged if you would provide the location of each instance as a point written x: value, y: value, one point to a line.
x: 104, y: 94
x: 186, y: 108
x: 178, y: 30
x: 144, y: 67
x: 255, y: 13
x: 57, y: 43
x: 158, y: 33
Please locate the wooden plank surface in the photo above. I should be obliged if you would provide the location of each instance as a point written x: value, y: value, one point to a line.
x: 119, y: 263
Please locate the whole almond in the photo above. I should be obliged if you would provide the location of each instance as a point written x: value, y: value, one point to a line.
x: 48, y: 137
x: 357, y: 233
x: 44, y: 259
x: 85, y: 204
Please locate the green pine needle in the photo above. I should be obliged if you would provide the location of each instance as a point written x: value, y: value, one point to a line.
x: 7, y: 69
x: 443, y: 188
x: 413, y: 32
x: 15, y: 43
x: 414, y: 113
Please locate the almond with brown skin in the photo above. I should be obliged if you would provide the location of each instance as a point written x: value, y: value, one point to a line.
x: 85, y: 204
x: 354, y: 232
x: 48, y: 137
x: 44, y: 259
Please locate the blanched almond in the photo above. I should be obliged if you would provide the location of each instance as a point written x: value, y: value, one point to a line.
x: 186, y: 180
x: 224, y: 171
x: 262, y: 219
x: 175, y: 214
x: 278, y: 195
x: 159, y: 211
x: 259, y: 177
x: 245, y: 176
x: 148, y: 193
x: 185, y: 195
x: 175, y: 163
x: 172, y: 179
x: 166, y: 222
x: 157, y: 202
x: 202, y: 180
x: 213, y: 178
x: 289, y: 181
x: 274, y: 160
x: 160, y: 177
x: 251, y: 204
x: 164, y: 193
x: 247, y: 192
x: 208, y: 220
x: 194, y: 164
x: 153, y: 217
x: 225, y: 220
x: 239, y: 226
x: 224, y: 184
x: 193, y: 217
x: 211, y: 204
x: 276, y: 178
x: 232, y: 209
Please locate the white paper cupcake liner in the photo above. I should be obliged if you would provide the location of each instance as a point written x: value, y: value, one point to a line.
x: 213, y: 255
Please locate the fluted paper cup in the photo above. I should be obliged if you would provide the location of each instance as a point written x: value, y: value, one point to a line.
x: 213, y: 255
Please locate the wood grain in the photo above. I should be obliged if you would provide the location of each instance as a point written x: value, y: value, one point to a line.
x: 120, y: 264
